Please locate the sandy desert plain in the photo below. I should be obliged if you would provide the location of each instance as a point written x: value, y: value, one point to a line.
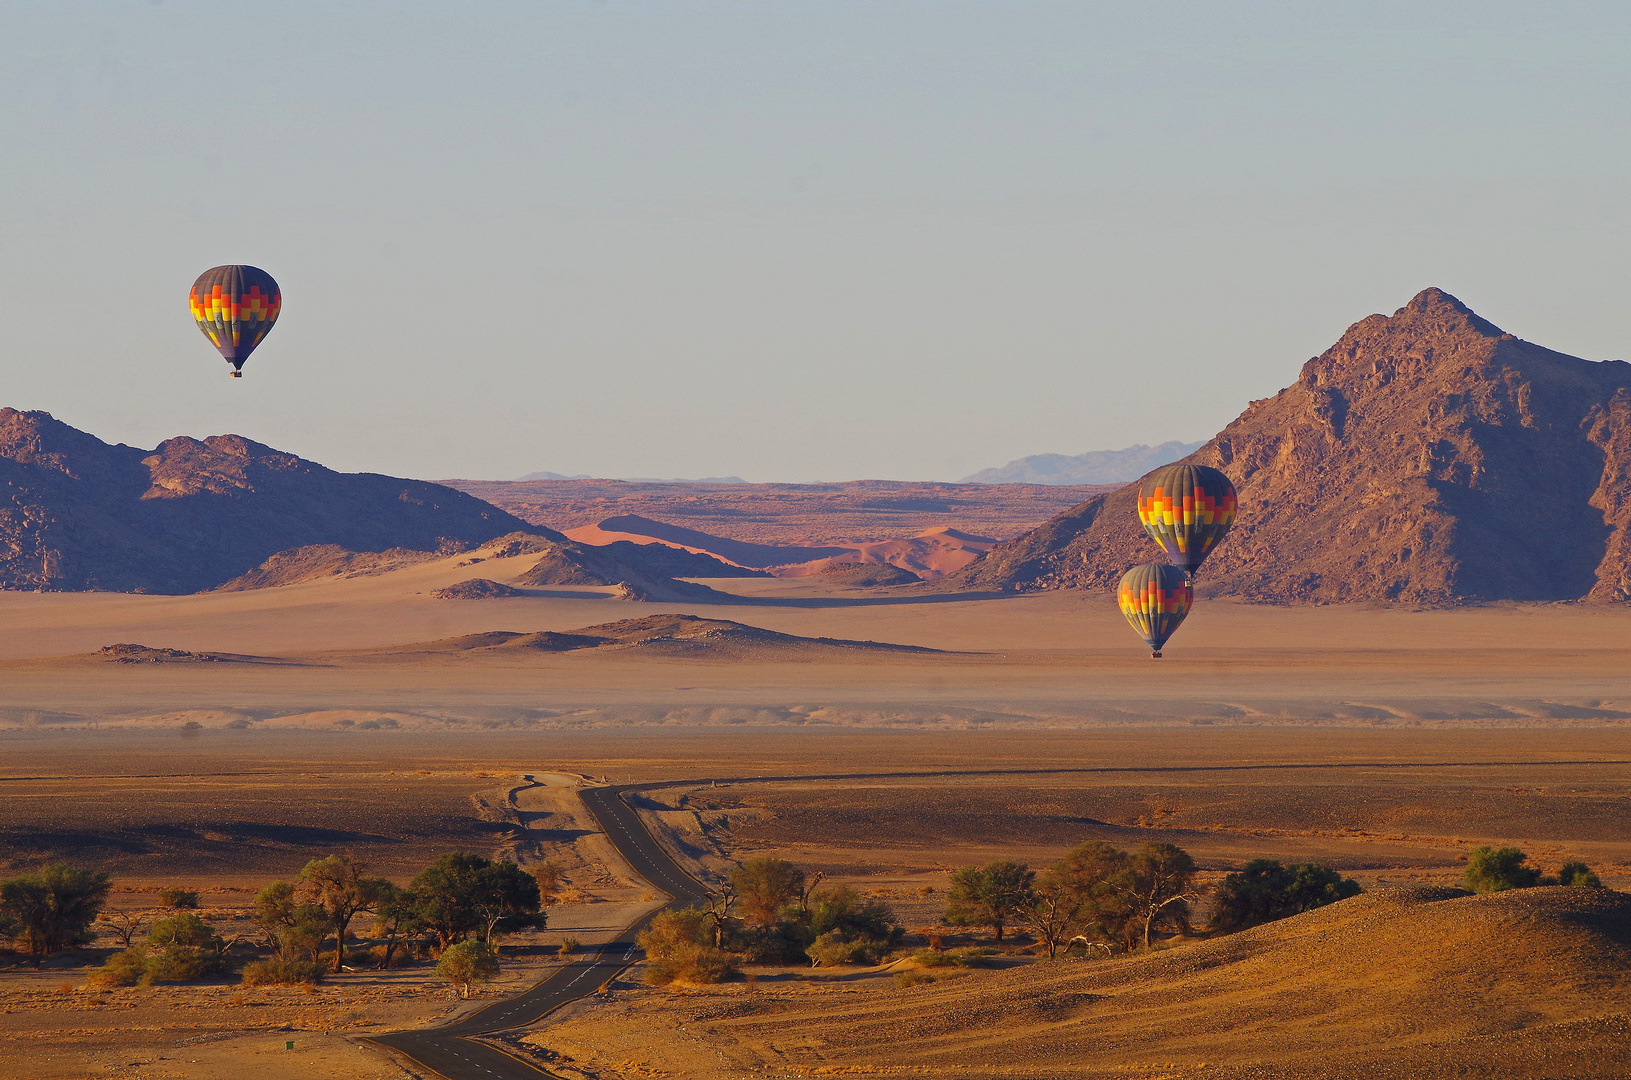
x: 344, y: 715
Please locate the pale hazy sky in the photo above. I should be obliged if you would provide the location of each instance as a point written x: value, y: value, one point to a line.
x: 789, y: 241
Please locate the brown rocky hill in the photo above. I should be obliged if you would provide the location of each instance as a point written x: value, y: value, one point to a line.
x: 1426, y: 457
x: 77, y: 513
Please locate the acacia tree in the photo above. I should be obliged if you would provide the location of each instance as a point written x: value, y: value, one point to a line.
x: 462, y: 894
x: 395, y: 913
x: 1156, y: 884
x: 125, y: 924
x: 291, y: 928
x: 53, y: 908
x: 763, y: 887
x: 992, y: 895
x: 507, y: 898
x: 335, y: 885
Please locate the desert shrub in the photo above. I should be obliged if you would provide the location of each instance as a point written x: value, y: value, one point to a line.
x: 912, y: 978
x: 125, y: 968
x: 839, y: 907
x: 930, y: 959
x: 783, y: 943
x: 183, y: 930
x: 1498, y: 869
x: 282, y: 973
x: 183, y: 963
x: 1265, y: 891
x: 570, y: 945
x: 178, y: 898
x: 468, y: 962
x: 1579, y: 875
x: 691, y: 963
x: 840, y: 947
x: 671, y: 931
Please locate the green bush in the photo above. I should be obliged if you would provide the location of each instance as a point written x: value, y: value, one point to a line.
x: 1265, y: 891
x: 1579, y: 875
x: 125, y: 968
x: 282, y: 973
x: 1498, y: 869
x: 178, y: 898
x: 839, y: 947
x: 184, y: 963
x: 912, y: 978
x: 468, y: 962
x: 930, y: 959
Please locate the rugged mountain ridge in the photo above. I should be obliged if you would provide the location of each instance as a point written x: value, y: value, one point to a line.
x: 1093, y: 467
x: 79, y: 513
x: 1426, y: 457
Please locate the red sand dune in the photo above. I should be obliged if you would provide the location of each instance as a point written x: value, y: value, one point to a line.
x: 930, y: 554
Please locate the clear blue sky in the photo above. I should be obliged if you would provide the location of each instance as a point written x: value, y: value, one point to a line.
x: 789, y: 241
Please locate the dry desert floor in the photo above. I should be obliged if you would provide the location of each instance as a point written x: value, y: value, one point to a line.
x: 335, y: 715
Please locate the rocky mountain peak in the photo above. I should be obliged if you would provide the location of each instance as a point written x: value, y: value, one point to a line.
x: 1427, y: 456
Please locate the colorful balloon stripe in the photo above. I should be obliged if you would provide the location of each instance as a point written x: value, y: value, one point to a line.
x: 1187, y: 509
x: 235, y: 306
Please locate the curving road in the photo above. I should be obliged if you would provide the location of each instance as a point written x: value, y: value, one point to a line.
x: 450, y: 1051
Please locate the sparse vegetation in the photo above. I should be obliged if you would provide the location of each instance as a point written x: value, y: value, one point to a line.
x: 1491, y: 869
x: 180, y: 899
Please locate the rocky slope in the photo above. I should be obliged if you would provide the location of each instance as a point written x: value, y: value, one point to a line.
x: 1427, y: 457
x: 77, y: 513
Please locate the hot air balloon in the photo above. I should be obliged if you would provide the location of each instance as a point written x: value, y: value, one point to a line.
x: 1155, y: 598
x: 1187, y: 509
x: 235, y: 307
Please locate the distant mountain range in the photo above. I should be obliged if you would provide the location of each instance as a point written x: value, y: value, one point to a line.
x: 633, y: 479
x: 1093, y: 467
x: 1428, y: 457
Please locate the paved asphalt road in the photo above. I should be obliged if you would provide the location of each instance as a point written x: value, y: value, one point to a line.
x: 447, y: 1050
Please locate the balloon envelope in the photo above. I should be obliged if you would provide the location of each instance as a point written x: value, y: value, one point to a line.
x: 1155, y: 598
x: 1187, y: 509
x: 235, y: 307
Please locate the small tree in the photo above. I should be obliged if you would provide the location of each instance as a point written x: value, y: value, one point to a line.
x: 1058, y: 911
x: 180, y: 899
x: 1265, y: 891
x: 1498, y: 869
x: 992, y: 895
x: 124, y: 924
x: 53, y: 908
x: 548, y: 877
x: 468, y: 962
x: 395, y: 913
x: 763, y: 887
